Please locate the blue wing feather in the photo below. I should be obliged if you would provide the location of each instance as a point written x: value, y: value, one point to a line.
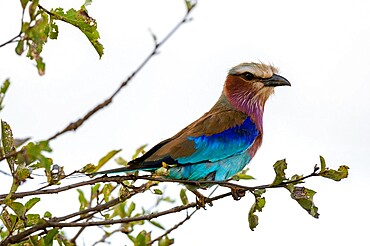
x: 222, y: 145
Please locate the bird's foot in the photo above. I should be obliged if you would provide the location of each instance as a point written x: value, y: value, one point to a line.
x: 201, y: 200
x: 237, y: 193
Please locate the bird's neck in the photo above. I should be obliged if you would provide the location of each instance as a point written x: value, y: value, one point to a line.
x: 245, y: 100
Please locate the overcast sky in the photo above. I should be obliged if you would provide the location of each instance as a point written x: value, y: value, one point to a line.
x: 321, y: 47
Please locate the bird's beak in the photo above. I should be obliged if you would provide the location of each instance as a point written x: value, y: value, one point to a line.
x: 275, y: 80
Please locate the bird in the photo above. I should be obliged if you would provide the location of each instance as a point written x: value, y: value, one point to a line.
x: 223, y: 141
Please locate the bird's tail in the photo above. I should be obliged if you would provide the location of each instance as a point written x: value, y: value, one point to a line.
x: 123, y: 170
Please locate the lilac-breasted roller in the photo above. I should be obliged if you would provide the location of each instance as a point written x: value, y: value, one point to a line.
x: 224, y: 140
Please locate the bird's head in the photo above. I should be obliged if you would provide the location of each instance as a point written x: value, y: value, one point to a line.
x: 248, y: 86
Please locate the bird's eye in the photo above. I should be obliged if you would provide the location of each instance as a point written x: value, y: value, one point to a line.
x: 247, y: 76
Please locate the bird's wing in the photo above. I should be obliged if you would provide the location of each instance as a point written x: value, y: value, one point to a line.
x: 218, y: 134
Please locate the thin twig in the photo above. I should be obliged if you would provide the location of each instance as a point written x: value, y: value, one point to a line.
x: 12, y: 40
x: 188, y: 216
x: 105, y: 236
x: 74, y: 125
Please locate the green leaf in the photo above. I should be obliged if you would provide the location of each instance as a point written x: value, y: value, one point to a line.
x: 19, y: 49
x: 24, y: 3
x: 107, y: 189
x: 82, y: 21
x: 95, y: 189
x: 83, y: 201
x: 244, y: 176
x: 158, y: 192
x: 336, y: 175
x: 257, y: 206
x: 184, y: 197
x: 142, y: 238
x: 47, y: 214
x: 119, y: 210
x: 4, y: 87
x: 32, y: 219
x: 88, y: 168
x: 121, y: 161
x: 156, y: 224
x: 35, y: 241
x: 30, y: 203
x: 322, y: 164
x: 18, y: 209
x: 168, y: 199
x: 8, y: 144
x: 106, y: 158
x: 130, y: 209
x: 48, y: 239
x: 54, y: 30
x: 304, y: 197
x: 40, y: 65
x: 124, y: 193
x: 189, y: 5
x: 139, y: 151
x: 36, y: 36
x: 22, y: 173
x: 33, y: 152
x: 165, y: 241
x: 279, y: 168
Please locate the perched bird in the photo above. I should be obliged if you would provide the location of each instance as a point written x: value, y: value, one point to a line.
x: 224, y: 140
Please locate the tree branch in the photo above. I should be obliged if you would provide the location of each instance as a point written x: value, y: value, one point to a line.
x: 75, y: 125
x: 120, y: 179
x: 17, y: 36
x: 188, y: 216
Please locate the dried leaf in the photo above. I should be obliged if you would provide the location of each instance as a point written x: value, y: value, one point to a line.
x: 279, y: 167
x: 8, y: 144
x: 304, y: 197
x: 336, y: 175
x: 257, y: 206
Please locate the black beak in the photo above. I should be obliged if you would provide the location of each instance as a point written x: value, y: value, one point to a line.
x: 275, y: 80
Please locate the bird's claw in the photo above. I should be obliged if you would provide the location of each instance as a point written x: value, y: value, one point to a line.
x: 202, y: 200
x: 237, y: 193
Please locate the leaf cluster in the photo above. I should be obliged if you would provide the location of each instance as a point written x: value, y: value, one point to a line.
x: 41, y: 25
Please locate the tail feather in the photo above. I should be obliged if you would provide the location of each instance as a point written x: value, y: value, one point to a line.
x: 125, y: 169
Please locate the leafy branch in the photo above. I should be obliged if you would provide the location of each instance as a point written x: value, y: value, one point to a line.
x: 302, y: 195
x: 73, y: 126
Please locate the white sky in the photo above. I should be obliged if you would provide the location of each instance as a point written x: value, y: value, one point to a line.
x: 322, y: 47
